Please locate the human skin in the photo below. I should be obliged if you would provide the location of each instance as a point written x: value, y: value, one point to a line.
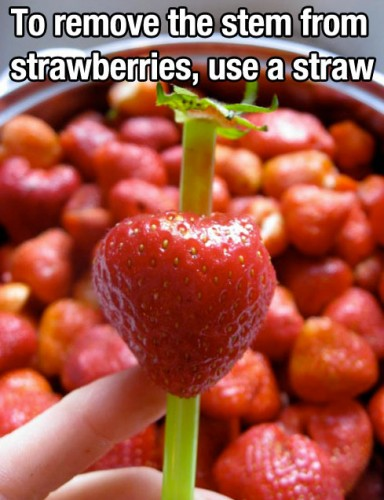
x: 50, y: 450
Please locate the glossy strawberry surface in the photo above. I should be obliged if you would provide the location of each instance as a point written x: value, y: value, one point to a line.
x: 187, y: 293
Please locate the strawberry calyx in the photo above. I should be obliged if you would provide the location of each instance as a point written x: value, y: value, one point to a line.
x: 228, y: 117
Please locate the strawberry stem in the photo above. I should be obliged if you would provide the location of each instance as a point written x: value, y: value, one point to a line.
x: 182, y: 419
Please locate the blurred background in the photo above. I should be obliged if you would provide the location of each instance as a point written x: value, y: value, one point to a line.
x: 371, y: 46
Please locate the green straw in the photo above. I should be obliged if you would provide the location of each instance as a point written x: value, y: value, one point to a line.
x: 182, y: 418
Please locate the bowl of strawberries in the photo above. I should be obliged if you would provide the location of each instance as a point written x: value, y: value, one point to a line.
x: 236, y: 253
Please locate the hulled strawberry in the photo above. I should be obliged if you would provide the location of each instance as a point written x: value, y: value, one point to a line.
x: 266, y: 463
x: 187, y: 293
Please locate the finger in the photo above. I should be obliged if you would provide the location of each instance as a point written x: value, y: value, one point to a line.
x: 134, y: 483
x: 71, y: 435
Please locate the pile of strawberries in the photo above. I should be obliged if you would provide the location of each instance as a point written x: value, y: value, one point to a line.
x: 301, y: 414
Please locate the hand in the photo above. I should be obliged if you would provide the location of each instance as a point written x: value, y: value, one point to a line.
x: 51, y: 449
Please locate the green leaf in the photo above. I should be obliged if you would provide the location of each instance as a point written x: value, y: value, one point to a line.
x: 230, y: 123
x: 231, y: 133
x: 252, y: 108
x: 250, y: 93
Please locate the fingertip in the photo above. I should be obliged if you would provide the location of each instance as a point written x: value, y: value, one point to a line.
x: 209, y: 495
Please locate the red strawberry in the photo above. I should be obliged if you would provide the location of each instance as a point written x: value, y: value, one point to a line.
x: 220, y: 195
x: 313, y: 282
x: 32, y: 198
x: 24, y: 379
x: 81, y: 138
x: 281, y: 327
x: 157, y: 132
x: 95, y: 353
x: 44, y: 263
x: 360, y: 311
x: 314, y: 217
x: 115, y: 161
x: 344, y: 431
x: 249, y: 390
x: 172, y: 159
x: 376, y: 413
x: 329, y: 362
x: 267, y: 213
x: 18, y: 406
x: 355, y: 242
x: 288, y: 131
x: 187, y: 293
x: 214, y: 436
x: 130, y: 197
x: 265, y: 463
x: 61, y: 323
x: 355, y: 148
x: 85, y: 219
x: 371, y: 483
x: 139, y: 450
x: 18, y: 341
x: 367, y: 273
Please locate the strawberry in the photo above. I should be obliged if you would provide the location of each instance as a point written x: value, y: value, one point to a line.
x: 61, y: 323
x: 342, y: 429
x: 24, y: 379
x: 376, y: 219
x: 134, y: 196
x: 281, y: 327
x: 157, y: 132
x: 367, y: 272
x: 44, y: 263
x: 220, y: 195
x: 329, y: 362
x: 14, y: 296
x: 376, y: 413
x: 313, y: 282
x: 314, y: 217
x: 300, y: 167
x: 371, y: 484
x: 139, y: 450
x: 32, y: 198
x: 18, y: 341
x: 33, y: 139
x: 85, y: 219
x: 187, y: 293
x: 172, y: 159
x: 249, y: 391
x: 360, y: 311
x: 18, y: 406
x: 135, y: 98
x: 116, y: 160
x: 267, y: 213
x: 381, y: 286
x: 240, y: 168
x: 97, y: 352
x: 265, y: 462
x: 81, y: 138
x: 355, y: 242
x: 370, y: 190
x: 288, y: 131
x: 214, y: 436
x: 355, y: 148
